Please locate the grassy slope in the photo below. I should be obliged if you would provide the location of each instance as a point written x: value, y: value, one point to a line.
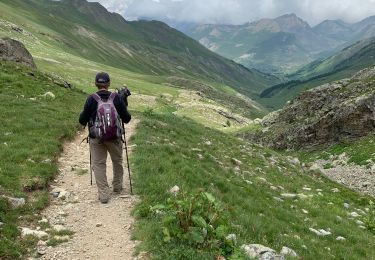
x: 256, y: 216
x: 32, y: 133
x: 358, y: 55
x: 339, y: 66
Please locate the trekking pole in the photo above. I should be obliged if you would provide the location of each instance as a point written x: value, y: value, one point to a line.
x: 88, y: 141
x: 127, y: 159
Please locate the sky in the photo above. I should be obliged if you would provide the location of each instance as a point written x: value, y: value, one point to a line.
x: 240, y: 11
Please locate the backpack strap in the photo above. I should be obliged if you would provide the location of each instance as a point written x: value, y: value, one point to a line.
x: 112, y: 96
x: 96, y: 97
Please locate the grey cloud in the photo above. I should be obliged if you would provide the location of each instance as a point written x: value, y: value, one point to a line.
x: 241, y: 11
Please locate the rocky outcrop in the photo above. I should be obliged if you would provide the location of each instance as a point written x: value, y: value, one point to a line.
x: 12, y: 50
x: 328, y: 114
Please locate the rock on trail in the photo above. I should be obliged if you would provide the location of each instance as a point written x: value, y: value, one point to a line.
x: 101, y: 231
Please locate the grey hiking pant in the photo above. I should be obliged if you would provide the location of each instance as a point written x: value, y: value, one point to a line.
x: 99, y: 150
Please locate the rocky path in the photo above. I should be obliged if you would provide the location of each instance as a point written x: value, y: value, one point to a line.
x: 101, y: 231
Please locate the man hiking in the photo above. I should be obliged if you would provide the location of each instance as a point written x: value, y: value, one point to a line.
x: 102, y: 112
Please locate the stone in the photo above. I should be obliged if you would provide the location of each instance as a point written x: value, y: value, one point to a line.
x: 362, y: 227
x: 41, y: 250
x: 339, y: 238
x: 286, y: 251
x: 59, y: 228
x: 305, y: 211
x: 278, y: 199
x: 302, y: 196
x: 99, y: 225
x: 346, y: 205
x: 49, y: 95
x: 209, y: 143
x: 373, y: 169
x: 61, y: 213
x: 320, y: 232
x: 15, y: 202
x: 175, y: 190
x: 260, y: 252
x: 1, y: 224
x: 236, y: 162
x: 43, y: 220
x: 366, y: 184
x: 232, y: 237
x: 315, y: 167
x: 63, y: 195
x: 61, y: 238
x: 41, y: 243
x: 15, y: 51
x: 295, y: 161
x: 354, y: 214
x: 289, y: 195
x: 360, y: 223
x: 29, y: 232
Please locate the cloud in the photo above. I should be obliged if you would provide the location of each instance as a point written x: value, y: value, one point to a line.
x: 241, y: 11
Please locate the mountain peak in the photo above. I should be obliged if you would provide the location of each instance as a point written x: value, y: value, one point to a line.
x: 96, y: 11
x: 292, y: 23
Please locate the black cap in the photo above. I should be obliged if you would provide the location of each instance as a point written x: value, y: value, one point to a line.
x: 102, y: 78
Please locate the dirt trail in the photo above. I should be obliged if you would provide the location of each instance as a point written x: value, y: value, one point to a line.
x: 101, y: 231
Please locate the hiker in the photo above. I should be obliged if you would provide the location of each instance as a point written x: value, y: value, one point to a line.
x: 105, y: 133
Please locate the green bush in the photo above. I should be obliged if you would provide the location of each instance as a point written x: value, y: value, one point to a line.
x: 198, y: 220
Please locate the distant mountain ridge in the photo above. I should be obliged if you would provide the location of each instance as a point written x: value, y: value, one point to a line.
x: 343, y: 64
x: 283, y: 44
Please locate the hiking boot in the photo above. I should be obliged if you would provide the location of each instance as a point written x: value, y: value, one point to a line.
x: 117, y: 190
x: 103, y: 200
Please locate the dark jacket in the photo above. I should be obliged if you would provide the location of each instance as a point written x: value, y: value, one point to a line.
x: 89, y: 111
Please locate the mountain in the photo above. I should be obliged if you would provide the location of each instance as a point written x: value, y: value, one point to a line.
x: 150, y: 47
x: 281, y: 45
x: 336, y: 29
x: 341, y: 65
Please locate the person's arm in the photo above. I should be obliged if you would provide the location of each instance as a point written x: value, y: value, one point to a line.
x: 122, y: 110
x: 84, y: 117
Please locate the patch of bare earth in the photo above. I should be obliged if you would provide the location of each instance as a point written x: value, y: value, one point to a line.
x: 101, y: 231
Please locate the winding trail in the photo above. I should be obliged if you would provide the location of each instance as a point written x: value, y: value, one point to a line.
x: 101, y: 231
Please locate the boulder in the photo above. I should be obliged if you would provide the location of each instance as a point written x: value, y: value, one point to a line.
x: 15, y: 202
x: 261, y: 252
x: 12, y: 50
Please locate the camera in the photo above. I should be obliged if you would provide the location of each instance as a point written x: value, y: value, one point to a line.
x: 124, y: 93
